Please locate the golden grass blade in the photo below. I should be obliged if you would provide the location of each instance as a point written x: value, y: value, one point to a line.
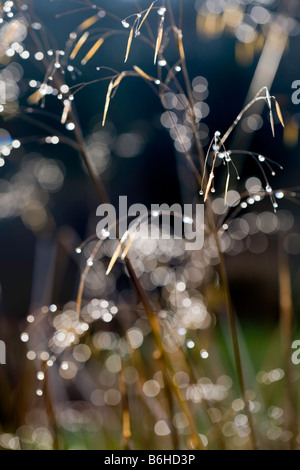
x: 142, y: 73
x: 129, y: 44
x: 272, y: 123
x: 66, y: 110
x: 268, y: 98
x: 35, y: 97
x: 88, y: 22
x: 145, y: 16
x: 79, y: 45
x: 107, y: 101
x: 278, y: 111
x: 118, y: 80
x: 180, y: 46
x: 159, y: 38
x: 13, y: 28
x: 128, y: 246
x: 226, y: 187
x: 114, y: 258
x: 92, y: 51
x: 210, y: 180
x: 124, y: 237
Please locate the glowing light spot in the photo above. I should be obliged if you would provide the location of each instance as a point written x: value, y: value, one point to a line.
x: 161, y: 428
x: 24, y: 337
x: 204, y: 354
x: 40, y: 375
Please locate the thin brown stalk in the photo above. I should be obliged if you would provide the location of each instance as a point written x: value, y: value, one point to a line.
x: 126, y: 421
x: 49, y: 407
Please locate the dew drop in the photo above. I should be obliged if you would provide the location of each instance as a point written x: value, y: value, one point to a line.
x: 268, y: 188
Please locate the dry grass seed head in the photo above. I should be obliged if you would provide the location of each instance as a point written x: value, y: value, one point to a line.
x: 79, y: 45
x: 107, y: 101
x: 92, y: 51
x: 159, y: 38
x: 129, y: 44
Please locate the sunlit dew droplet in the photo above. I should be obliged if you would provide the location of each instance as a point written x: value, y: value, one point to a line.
x: 268, y: 188
x: 187, y: 220
x: 64, y: 89
x: 125, y: 24
x: 161, y: 11
x: 39, y: 56
x: 40, y: 375
x: 261, y: 158
x: 250, y: 200
x: 53, y: 308
x: 157, y: 82
x: 190, y: 344
x: 24, y: 337
x: 10, y: 52
x: 39, y: 392
x: 180, y: 286
x: 279, y: 195
x: 201, y: 193
x: 2, y: 162
x: 5, y: 151
x: 161, y: 428
x: 107, y: 317
x: 54, y: 140
x: 105, y: 233
x: 25, y: 55
x: 181, y: 331
x: 70, y: 126
x: 78, y: 250
x: 204, y: 354
x: 37, y: 26
x: 31, y: 355
x: 151, y: 388
x: 243, y: 205
x: 30, y: 319
x: 212, y: 190
x: 16, y: 144
x: 162, y: 63
x: 275, y: 205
